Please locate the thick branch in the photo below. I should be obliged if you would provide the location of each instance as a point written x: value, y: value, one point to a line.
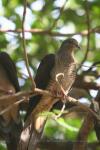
x: 87, y: 125
x: 84, y: 132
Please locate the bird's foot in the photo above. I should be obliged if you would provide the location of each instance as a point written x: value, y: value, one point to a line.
x: 60, y: 94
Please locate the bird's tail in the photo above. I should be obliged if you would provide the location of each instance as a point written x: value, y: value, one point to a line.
x: 30, y: 138
x: 34, y: 125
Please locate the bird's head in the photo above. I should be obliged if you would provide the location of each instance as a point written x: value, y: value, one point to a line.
x: 70, y: 44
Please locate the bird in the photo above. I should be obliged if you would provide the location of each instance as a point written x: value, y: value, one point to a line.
x: 61, y: 65
x: 10, y: 121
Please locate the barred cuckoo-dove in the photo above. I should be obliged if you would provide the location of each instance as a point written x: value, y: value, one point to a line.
x: 63, y: 63
x: 10, y: 123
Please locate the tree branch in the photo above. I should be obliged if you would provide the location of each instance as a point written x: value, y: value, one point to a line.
x: 52, y: 33
x: 26, y: 94
x: 87, y: 125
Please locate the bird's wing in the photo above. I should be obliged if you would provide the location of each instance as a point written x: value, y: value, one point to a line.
x: 43, y: 73
x: 10, y: 122
x: 10, y: 69
x: 42, y: 79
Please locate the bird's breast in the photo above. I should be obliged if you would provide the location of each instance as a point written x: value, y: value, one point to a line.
x: 64, y: 71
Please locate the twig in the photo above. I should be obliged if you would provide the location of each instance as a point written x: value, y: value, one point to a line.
x: 93, y: 65
x: 61, y: 112
x: 24, y: 45
x: 73, y: 109
x: 15, y: 97
x: 26, y: 94
x: 20, y: 95
x: 18, y: 98
x: 82, y: 106
x: 11, y: 106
